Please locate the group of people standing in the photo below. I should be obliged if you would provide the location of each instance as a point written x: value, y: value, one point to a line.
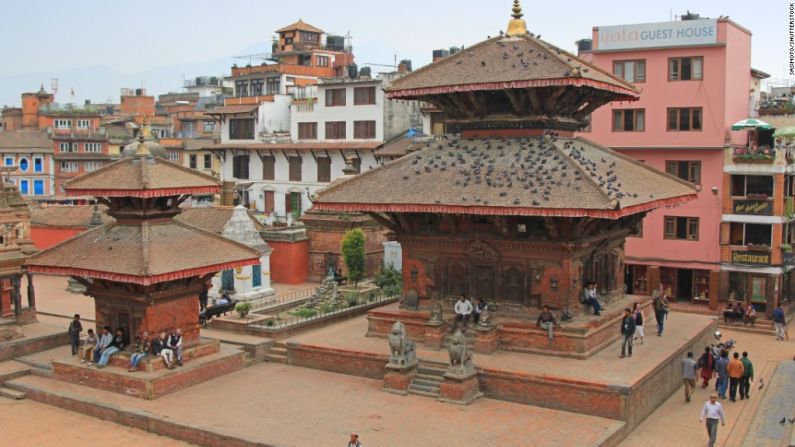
x: 98, y: 349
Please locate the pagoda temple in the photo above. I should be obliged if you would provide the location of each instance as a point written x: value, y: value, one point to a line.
x: 510, y: 206
x: 145, y: 270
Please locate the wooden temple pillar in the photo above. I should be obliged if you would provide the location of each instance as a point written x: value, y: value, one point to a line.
x: 31, y: 291
x: 16, y: 297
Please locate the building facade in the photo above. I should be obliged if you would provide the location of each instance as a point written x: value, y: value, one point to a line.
x: 694, y: 77
x: 28, y: 154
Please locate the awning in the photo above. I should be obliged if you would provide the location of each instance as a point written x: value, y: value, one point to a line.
x: 346, y: 146
x: 230, y: 110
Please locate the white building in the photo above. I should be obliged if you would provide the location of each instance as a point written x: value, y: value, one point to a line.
x: 276, y: 172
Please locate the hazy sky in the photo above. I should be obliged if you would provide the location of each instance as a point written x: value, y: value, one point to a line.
x: 137, y: 39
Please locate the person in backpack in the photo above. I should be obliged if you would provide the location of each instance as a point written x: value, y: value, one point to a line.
x: 627, y: 332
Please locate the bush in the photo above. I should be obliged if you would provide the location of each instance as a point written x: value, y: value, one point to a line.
x: 389, y: 280
x: 243, y: 309
x: 304, y: 312
x: 352, y: 298
x: 353, y: 254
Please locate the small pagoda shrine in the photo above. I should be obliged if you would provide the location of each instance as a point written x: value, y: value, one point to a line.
x: 510, y: 206
x: 145, y: 270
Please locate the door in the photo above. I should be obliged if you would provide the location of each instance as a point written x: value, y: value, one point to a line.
x: 684, y: 284
x: 228, y: 280
x: 256, y: 275
x: 295, y: 204
x: 484, y: 282
x: 758, y: 291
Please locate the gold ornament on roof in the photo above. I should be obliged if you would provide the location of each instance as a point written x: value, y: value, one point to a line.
x: 517, y: 26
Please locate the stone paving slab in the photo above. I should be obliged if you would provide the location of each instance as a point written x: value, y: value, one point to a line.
x: 289, y: 406
x: 778, y: 402
x: 605, y: 367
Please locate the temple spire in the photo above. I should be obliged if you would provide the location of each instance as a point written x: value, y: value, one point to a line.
x: 516, y: 26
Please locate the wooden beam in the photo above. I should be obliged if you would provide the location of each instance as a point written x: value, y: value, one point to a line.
x: 517, y: 99
x: 385, y: 221
x: 465, y: 109
x: 535, y: 102
x: 552, y: 99
x: 478, y: 103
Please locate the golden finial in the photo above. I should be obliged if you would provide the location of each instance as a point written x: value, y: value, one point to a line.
x: 145, y: 130
x: 143, y: 148
x: 516, y: 27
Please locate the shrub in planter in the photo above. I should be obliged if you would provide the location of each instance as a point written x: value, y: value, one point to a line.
x: 352, y: 298
x: 389, y: 280
x: 243, y: 309
x: 304, y: 312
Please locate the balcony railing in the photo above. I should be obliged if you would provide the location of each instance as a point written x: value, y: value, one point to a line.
x: 302, y: 92
x: 759, y: 154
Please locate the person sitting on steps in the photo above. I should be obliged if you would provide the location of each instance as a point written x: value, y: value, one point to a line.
x: 463, y: 309
x: 591, y: 297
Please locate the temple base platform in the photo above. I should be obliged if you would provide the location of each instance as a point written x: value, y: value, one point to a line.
x: 579, y: 338
x: 601, y: 384
x: 207, y: 360
x: 18, y: 339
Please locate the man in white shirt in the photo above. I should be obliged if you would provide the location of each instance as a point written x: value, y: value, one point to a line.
x: 462, y: 309
x: 712, y: 411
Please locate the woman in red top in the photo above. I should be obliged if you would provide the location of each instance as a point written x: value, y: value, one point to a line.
x: 707, y: 364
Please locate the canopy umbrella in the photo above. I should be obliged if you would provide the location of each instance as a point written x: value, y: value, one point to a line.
x: 787, y: 132
x: 750, y: 123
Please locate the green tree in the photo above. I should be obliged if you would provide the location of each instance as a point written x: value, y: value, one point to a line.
x: 353, y: 254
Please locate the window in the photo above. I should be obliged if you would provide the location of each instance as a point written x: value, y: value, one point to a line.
x: 173, y: 156
x: 630, y: 71
x: 193, y: 161
x: 685, y: 170
x: 38, y: 187
x: 323, y: 61
x: 744, y: 185
x: 335, y: 130
x: 62, y: 124
x: 188, y: 129
x: 363, y: 129
x: 629, y: 120
x: 92, y: 166
x: 241, y: 88
x: 307, y: 131
x: 38, y: 164
x: 93, y: 147
x: 684, y: 228
x: 363, y: 95
x: 272, y: 85
x: 335, y: 97
x: 747, y: 234
x: 255, y: 87
x: 295, y: 168
x: 305, y: 60
x: 268, y: 168
x: 240, y: 166
x: 24, y: 164
x: 685, y: 69
x: 208, y: 161
x: 83, y: 124
x: 684, y: 119
x: 9, y: 161
x: 23, y: 186
x: 209, y: 126
x: 241, y: 129
x: 323, y: 169
x: 66, y: 147
x: 68, y: 166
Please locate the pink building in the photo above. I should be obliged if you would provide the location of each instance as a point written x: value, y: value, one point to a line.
x: 694, y: 76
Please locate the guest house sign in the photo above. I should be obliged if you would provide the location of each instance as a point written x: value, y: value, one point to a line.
x: 755, y: 207
x: 660, y: 34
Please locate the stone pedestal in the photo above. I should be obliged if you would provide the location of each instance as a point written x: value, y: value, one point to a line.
x: 397, y: 379
x: 460, y: 388
x: 486, y: 339
x: 434, y: 334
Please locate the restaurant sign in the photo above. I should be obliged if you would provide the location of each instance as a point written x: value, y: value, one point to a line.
x: 659, y: 34
x: 755, y: 207
x: 751, y: 257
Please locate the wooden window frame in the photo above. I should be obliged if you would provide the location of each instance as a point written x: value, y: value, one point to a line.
x: 363, y: 96
x: 636, y: 63
x: 268, y: 167
x: 677, y: 111
x: 324, y: 169
x: 333, y: 130
x: 335, y: 97
x: 295, y: 167
x: 241, y: 128
x: 364, y: 130
x: 622, y: 120
x: 678, y: 62
x: 240, y: 170
x: 671, y: 228
x: 322, y: 61
x: 307, y: 131
x: 692, y: 167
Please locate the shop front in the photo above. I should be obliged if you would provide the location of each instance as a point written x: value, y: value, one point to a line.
x: 681, y: 284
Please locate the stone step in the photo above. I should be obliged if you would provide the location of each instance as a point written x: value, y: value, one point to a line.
x: 763, y: 329
x: 430, y: 377
x: 424, y: 390
x: 34, y: 364
x: 276, y: 358
x: 41, y: 372
x: 430, y: 371
x: 12, y: 394
x: 279, y: 350
x: 426, y: 383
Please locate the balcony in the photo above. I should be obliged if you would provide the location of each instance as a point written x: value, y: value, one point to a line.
x: 97, y: 133
x: 753, y: 154
x: 302, y: 92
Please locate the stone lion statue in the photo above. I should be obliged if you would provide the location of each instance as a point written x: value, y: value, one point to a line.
x: 410, y: 300
x: 485, y: 318
x: 436, y: 312
x: 402, y: 350
x: 460, y: 355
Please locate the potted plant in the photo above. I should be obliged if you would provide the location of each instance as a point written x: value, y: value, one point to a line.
x: 786, y: 248
x: 243, y: 309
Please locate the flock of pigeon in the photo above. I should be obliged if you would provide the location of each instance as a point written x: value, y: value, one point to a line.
x: 535, y: 165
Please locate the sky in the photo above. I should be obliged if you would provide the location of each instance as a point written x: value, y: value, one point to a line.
x: 96, y: 47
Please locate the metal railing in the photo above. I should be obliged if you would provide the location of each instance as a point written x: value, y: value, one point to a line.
x: 283, y: 299
x: 374, y: 300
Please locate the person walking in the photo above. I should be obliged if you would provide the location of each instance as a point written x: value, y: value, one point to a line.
x: 707, y: 365
x: 75, y: 328
x: 748, y: 377
x: 689, y: 375
x: 712, y: 412
x: 721, y: 367
x: 660, y: 307
x: 354, y: 442
x: 637, y: 312
x: 735, y: 370
x: 780, y: 323
x: 628, y: 332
